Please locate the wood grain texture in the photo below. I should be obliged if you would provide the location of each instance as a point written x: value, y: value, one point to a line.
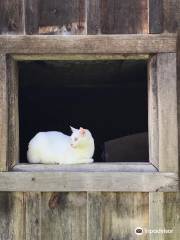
x: 164, y: 16
x: 32, y: 213
x: 171, y: 214
x: 117, y: 17
x: 94, y: 17
x: 178, y: 92
x: 13, y: 113
x: 164, y: 211
x: 3, y: 113
x: 12, y: 216
x: 153, y: 125
x: 95, y: 167
x: 167, y: 112
x: 155, y: 16
x: 116, y: 215
x: 92, y: 181
x: 11, y: 17
x: 82, y: 57
x: 171, y: 18
x: 156, y: 221
x: 99, y: 44
x: 55, y: 17
x: 64, y: 216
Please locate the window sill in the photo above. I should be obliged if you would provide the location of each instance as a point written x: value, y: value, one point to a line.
x: 93, y: 167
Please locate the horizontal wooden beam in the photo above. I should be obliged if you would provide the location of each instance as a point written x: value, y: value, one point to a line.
x: 79, y: 57
x: 88, y: 44
x: 90, y: 181
x: 95, y: 167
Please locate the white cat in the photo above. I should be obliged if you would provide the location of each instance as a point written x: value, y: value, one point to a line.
x: 56, y: 147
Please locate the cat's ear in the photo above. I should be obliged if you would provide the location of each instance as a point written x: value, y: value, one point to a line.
x: 72, y: 129
x: 82, y: 131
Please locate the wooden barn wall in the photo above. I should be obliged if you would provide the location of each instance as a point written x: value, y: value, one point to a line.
x: 91, y: 216
x: 88, y: 16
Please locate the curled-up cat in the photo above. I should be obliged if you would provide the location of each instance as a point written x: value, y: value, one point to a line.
x: 57, y: 148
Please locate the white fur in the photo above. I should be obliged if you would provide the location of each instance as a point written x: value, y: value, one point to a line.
x: 56, y: 147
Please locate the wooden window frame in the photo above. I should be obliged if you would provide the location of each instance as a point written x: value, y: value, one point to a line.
x: 160, y: 174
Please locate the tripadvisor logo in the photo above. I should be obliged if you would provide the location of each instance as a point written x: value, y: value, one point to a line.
x: 139, y: 231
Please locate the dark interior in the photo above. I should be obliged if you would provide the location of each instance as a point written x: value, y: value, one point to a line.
x: 108, y: 97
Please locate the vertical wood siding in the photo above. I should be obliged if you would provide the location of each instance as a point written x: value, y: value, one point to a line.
x: 88, y: 216
x: 117, y: 17
x: 89, y: 16
x: 11, y: 16
x: 55, y: 17
x: 3, y: 112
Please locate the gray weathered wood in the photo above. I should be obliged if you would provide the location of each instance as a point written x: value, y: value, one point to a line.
x: 64, y: 216
x: 4, y: 215
x: 55, y: 17
x: 11, y: 17
x: 178, y: 93
x: 171, y: 214
x: 171, y: 15
x: 94, y: 17
x: 167, y: 112
x: 3, y: 113
x: 95, y: 167
x: 99, y: 44
x: 92, y: 181
x: 153, y: 126
x: 13, y: 113
x: 156, y: 16
x: 109, y: 213
x: 117, y: 17
x: 156, y: 220
x: 32, y: 212
x: 79, y: 57
x: 12, y: 216
x: 164, y: 209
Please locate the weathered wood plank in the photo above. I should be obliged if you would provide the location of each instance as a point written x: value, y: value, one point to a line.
x: 32, y: 213
x: 178, y: 92
x: 55, y: 17
x: 64, y: 216
x: 13, y: 113
x: 167, y: 112
x: 99, y: 44
x: 109, y: 213
x: 164, y: 209
x: 95, y: 167
x: 156, y: 16
x: 93, y: 17
x: 31, y: 16
x: 11, y: 17
x: 171, y: 12
x: 153, y: 127
x: 95, y: 181
x: 12, y: 216
x: 3, y: 113
x: 117, y: 17
x: 94, y: 215
x: 4, y: 216
x: 171, y: 215
x: 79, y: 57
x: 156, y: 220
